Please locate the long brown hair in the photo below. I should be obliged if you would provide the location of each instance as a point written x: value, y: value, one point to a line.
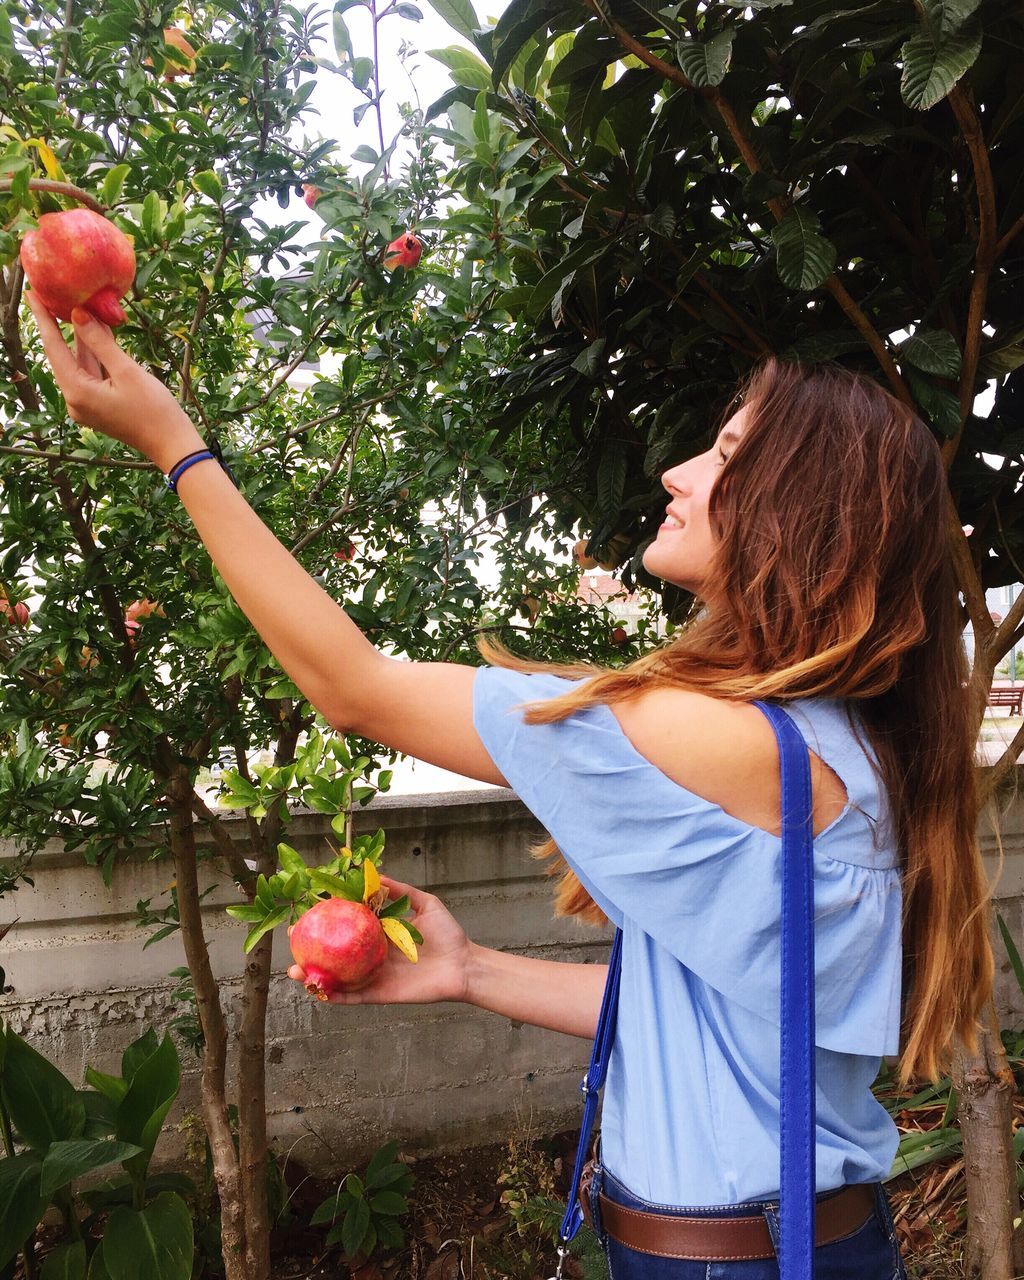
x: 833, y: 577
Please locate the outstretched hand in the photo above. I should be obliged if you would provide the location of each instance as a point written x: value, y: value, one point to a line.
x: 441, y: 971
x: 106, y: 389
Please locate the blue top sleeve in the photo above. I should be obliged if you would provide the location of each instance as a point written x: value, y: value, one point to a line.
x: 702, y: 884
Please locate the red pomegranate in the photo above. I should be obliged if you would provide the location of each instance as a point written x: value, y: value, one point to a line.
x: 311, y: 193
x: 339, y: 945
x: 79, y: 259
x: 16, y: 614
x: 404, y: 251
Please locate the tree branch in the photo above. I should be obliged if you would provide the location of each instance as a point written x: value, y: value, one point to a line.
x: 65, y: 458
x: 61, y: 189
x: 225, y: 845
x: 984, y: 258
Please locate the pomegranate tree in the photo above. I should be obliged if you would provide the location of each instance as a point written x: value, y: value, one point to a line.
x: 77, y: 258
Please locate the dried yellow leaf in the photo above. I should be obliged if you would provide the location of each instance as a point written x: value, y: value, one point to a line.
x: 371, y: 881
x: 400, y: 936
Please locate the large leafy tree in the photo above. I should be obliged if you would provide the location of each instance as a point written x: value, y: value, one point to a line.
x: 814, y: 179
x: 378, y: 476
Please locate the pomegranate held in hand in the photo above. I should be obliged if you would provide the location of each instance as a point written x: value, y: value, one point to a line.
x: 339, y: 945
x: 79, y: 259
x: 403, y: 252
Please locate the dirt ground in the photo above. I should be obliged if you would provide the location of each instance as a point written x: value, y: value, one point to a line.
x: 469, y: 1220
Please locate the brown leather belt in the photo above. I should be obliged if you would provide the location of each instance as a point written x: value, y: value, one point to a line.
x: 723, y: 1239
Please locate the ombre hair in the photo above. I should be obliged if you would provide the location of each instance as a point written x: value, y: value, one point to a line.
x: 833, y: 577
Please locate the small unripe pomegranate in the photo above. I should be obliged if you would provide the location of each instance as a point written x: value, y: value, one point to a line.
x: 404, y: 251
x: 347, y: 550
x: 310, y: 193
x: 339, y: 944
x: 79, y: 259
x: 619, y: 636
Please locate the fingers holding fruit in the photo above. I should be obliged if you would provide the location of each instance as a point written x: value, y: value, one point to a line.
x: 106, y: 389
x: 440, y: 970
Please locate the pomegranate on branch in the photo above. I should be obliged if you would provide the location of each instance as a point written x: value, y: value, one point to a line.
x: 16, y: 614
x: 78, y: 258
x: 404, y: 251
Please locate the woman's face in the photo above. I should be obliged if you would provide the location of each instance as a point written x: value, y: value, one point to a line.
x: 682, y: 555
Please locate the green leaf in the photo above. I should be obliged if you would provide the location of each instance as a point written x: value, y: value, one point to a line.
x: 44, y: 1105
x: 98, y: 1265
x: 66, y: 1161
x: 66, y: 1262
x: 152, y: 218
x: 705, y: 63
x: 937, y: 406
x: 112, y: 1087
x: 113, y: 183
x: 389, y: 1202
x: 1011, y: 951
x: 21, y: 1204
x: 354, y: 1228
x: 922, y: 1147
x: 271, y: 922
x: 931, y: 67
x: 588, y: 362
x: 933, y: 351
x: 332, y: 1208
x: 155, y: 1242
x: 150, y: 1095
x: 342, y: 38
x: 362, y: 71
x: 458, y: 14
x: 207, y: 183
x: 324, y: 882
x: 947, y: 16
x: 290, y: 859
x: 804, y: 258
x: 138, y: 1052
x: 466, y: 68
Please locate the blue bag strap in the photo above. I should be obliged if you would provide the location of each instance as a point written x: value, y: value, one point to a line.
x: 797, y: 1119
x: 591, y: 1085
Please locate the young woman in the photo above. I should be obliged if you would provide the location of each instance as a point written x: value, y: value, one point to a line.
x: 814, y: 532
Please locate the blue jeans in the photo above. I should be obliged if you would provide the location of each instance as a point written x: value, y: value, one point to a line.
x: 870, y: 1253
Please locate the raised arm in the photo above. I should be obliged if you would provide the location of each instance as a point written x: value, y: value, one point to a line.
x: 421, y: 709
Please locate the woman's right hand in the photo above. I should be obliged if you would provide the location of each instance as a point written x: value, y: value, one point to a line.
x: 441, y: 971
x: 107, y: 390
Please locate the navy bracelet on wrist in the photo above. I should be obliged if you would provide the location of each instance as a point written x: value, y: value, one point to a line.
x: 190, y: 459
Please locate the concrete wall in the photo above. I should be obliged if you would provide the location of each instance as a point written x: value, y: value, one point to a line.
x: 342, y: 1080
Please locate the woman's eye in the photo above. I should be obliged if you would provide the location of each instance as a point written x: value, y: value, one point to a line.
x: 723, y: 455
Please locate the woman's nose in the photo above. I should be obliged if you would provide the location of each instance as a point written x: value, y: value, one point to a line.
x: 676, y: 480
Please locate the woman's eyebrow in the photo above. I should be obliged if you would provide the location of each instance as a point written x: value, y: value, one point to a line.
x: 729, y: 437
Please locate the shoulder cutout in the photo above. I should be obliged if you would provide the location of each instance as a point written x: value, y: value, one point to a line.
x: 725, y: 752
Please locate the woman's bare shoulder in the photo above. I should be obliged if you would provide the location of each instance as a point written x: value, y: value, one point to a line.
x: 723, y: 751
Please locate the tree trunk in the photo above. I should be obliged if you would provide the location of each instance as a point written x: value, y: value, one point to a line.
x: 985, y: 1091
x: 252, y: 1110
x: 215, y: 1038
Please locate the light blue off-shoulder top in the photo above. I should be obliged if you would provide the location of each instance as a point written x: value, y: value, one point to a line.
x: 691, y: 1102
